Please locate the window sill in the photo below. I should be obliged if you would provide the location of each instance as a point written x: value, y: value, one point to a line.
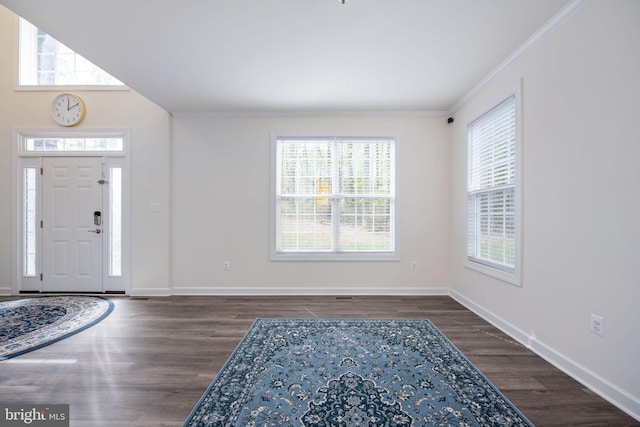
x: 505, y: 276
x: 316, y: 256
x: 62, y: 88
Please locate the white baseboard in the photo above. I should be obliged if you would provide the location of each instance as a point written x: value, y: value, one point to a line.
x: 306, y: 291
x: 150, y: 292
x: 496, y: 321
x: 6, y: 290
x: 605, y: 389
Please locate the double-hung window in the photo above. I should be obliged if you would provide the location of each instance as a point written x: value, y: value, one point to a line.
x: 334, y: 198
x: 492, y: 193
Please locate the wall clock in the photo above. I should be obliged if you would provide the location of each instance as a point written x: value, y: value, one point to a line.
x: 68, y: 109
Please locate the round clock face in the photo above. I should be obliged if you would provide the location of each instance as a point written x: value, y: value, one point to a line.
x: 68, y: 109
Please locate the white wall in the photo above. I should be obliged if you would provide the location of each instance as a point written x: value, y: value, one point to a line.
x: 150, y: 141
x: 581, y: 180
x: 581, y: 99
x: 225, y: 162
x: 221, y: 199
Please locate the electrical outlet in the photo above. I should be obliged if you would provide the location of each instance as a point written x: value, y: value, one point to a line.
x: 227, y: 265
x: 413, y: 265
x: 597, y: 325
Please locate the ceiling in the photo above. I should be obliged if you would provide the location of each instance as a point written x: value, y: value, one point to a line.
x: 203, y: 56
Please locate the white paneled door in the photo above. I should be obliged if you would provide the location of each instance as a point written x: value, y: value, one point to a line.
x: 72, y: 230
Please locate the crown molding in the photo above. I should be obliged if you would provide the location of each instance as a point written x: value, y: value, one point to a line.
x: 337, y: 113
x: 555, y: 21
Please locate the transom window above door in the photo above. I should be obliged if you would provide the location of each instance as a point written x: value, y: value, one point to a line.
x: 53, y: 144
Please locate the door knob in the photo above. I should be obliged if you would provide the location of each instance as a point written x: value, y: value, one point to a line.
x: 97, y: 231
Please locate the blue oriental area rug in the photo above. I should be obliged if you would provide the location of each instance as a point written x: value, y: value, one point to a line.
x: 31, y: 323
x: 350, y: 373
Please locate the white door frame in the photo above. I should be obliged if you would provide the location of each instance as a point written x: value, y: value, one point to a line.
x: 115, y: 164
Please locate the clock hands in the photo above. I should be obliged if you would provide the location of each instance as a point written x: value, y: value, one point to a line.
x: 74, y: 113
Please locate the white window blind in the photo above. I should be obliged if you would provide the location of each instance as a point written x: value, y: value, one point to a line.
x: 335, y: 195
x: 491, y: 188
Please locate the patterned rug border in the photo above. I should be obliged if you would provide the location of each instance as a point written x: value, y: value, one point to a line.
x: 441, y: 334
x: 103, y: 316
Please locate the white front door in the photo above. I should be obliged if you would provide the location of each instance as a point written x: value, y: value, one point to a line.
x: 72, y: 230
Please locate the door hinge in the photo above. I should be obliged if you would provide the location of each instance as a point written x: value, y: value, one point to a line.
x: 41, y: 171
x: 41, y: 224
x: 41, y: 277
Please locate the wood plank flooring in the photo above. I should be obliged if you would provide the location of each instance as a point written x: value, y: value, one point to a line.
x: 150, y: 361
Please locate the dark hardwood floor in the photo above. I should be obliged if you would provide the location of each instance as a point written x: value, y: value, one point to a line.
x: 149, y: 362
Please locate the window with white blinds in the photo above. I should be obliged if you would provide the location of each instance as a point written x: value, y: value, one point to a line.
x: 334, y: 196
x: 492, y: 232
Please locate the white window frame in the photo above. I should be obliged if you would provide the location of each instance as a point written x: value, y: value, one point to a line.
x: 26, y: 52
x: 24, y: 158
x: 393, y: 255
x: 514, y: 275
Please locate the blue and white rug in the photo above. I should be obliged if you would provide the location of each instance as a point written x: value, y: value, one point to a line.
x: 350, y: 373
x: 31, y: 323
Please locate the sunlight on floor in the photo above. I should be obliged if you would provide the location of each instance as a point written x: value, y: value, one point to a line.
x: 42, y: 361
